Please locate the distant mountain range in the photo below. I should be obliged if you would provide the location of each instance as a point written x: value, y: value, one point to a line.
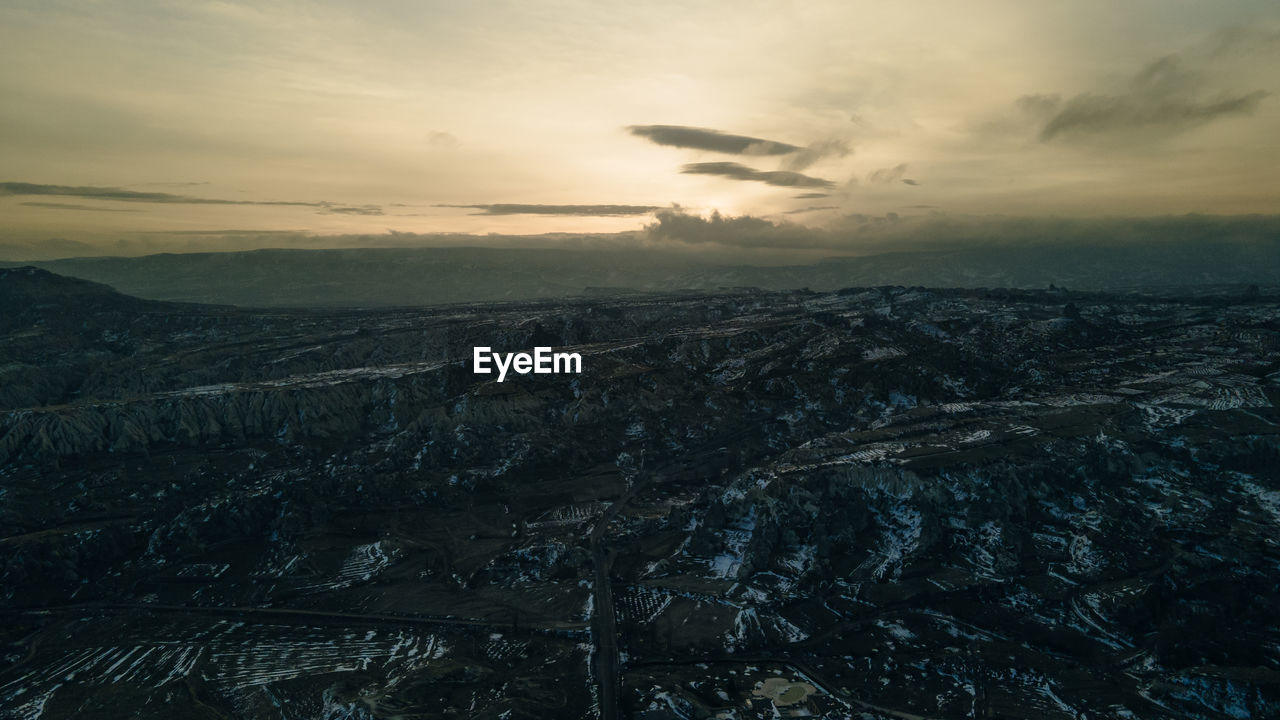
x: 428, y: 276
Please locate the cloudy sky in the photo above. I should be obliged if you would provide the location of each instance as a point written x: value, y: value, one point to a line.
x: 520, y: 117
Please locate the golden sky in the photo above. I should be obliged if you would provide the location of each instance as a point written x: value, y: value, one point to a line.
x: 575, y: 116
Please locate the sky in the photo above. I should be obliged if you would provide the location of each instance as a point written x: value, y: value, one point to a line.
x: 591, y: 117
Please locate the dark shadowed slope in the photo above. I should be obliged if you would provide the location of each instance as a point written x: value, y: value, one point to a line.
x: 28, y: 293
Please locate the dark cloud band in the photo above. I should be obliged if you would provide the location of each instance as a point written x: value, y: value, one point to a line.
x: 115, y: 194
x: 1259, y: 235
x: 737, y: 171
x: 815, y: 208
x: 695, y: 138
x: 122, y: 195
x: 578, y: 210
x: 356, y: 210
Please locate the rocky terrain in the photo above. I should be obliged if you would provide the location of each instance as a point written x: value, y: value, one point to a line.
x: 872, y: 502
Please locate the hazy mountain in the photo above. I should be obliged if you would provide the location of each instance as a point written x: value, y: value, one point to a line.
x: 426, y: 276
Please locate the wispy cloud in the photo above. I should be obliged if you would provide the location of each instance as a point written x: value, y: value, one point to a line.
x: 1172, y: 94
x: 885, y: 176
x: 737, y: 171
x: 815, y: 152
x: 1099, y: 114
x: 74, y: 206
x: 577, y: 210
x: 440, y: 138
